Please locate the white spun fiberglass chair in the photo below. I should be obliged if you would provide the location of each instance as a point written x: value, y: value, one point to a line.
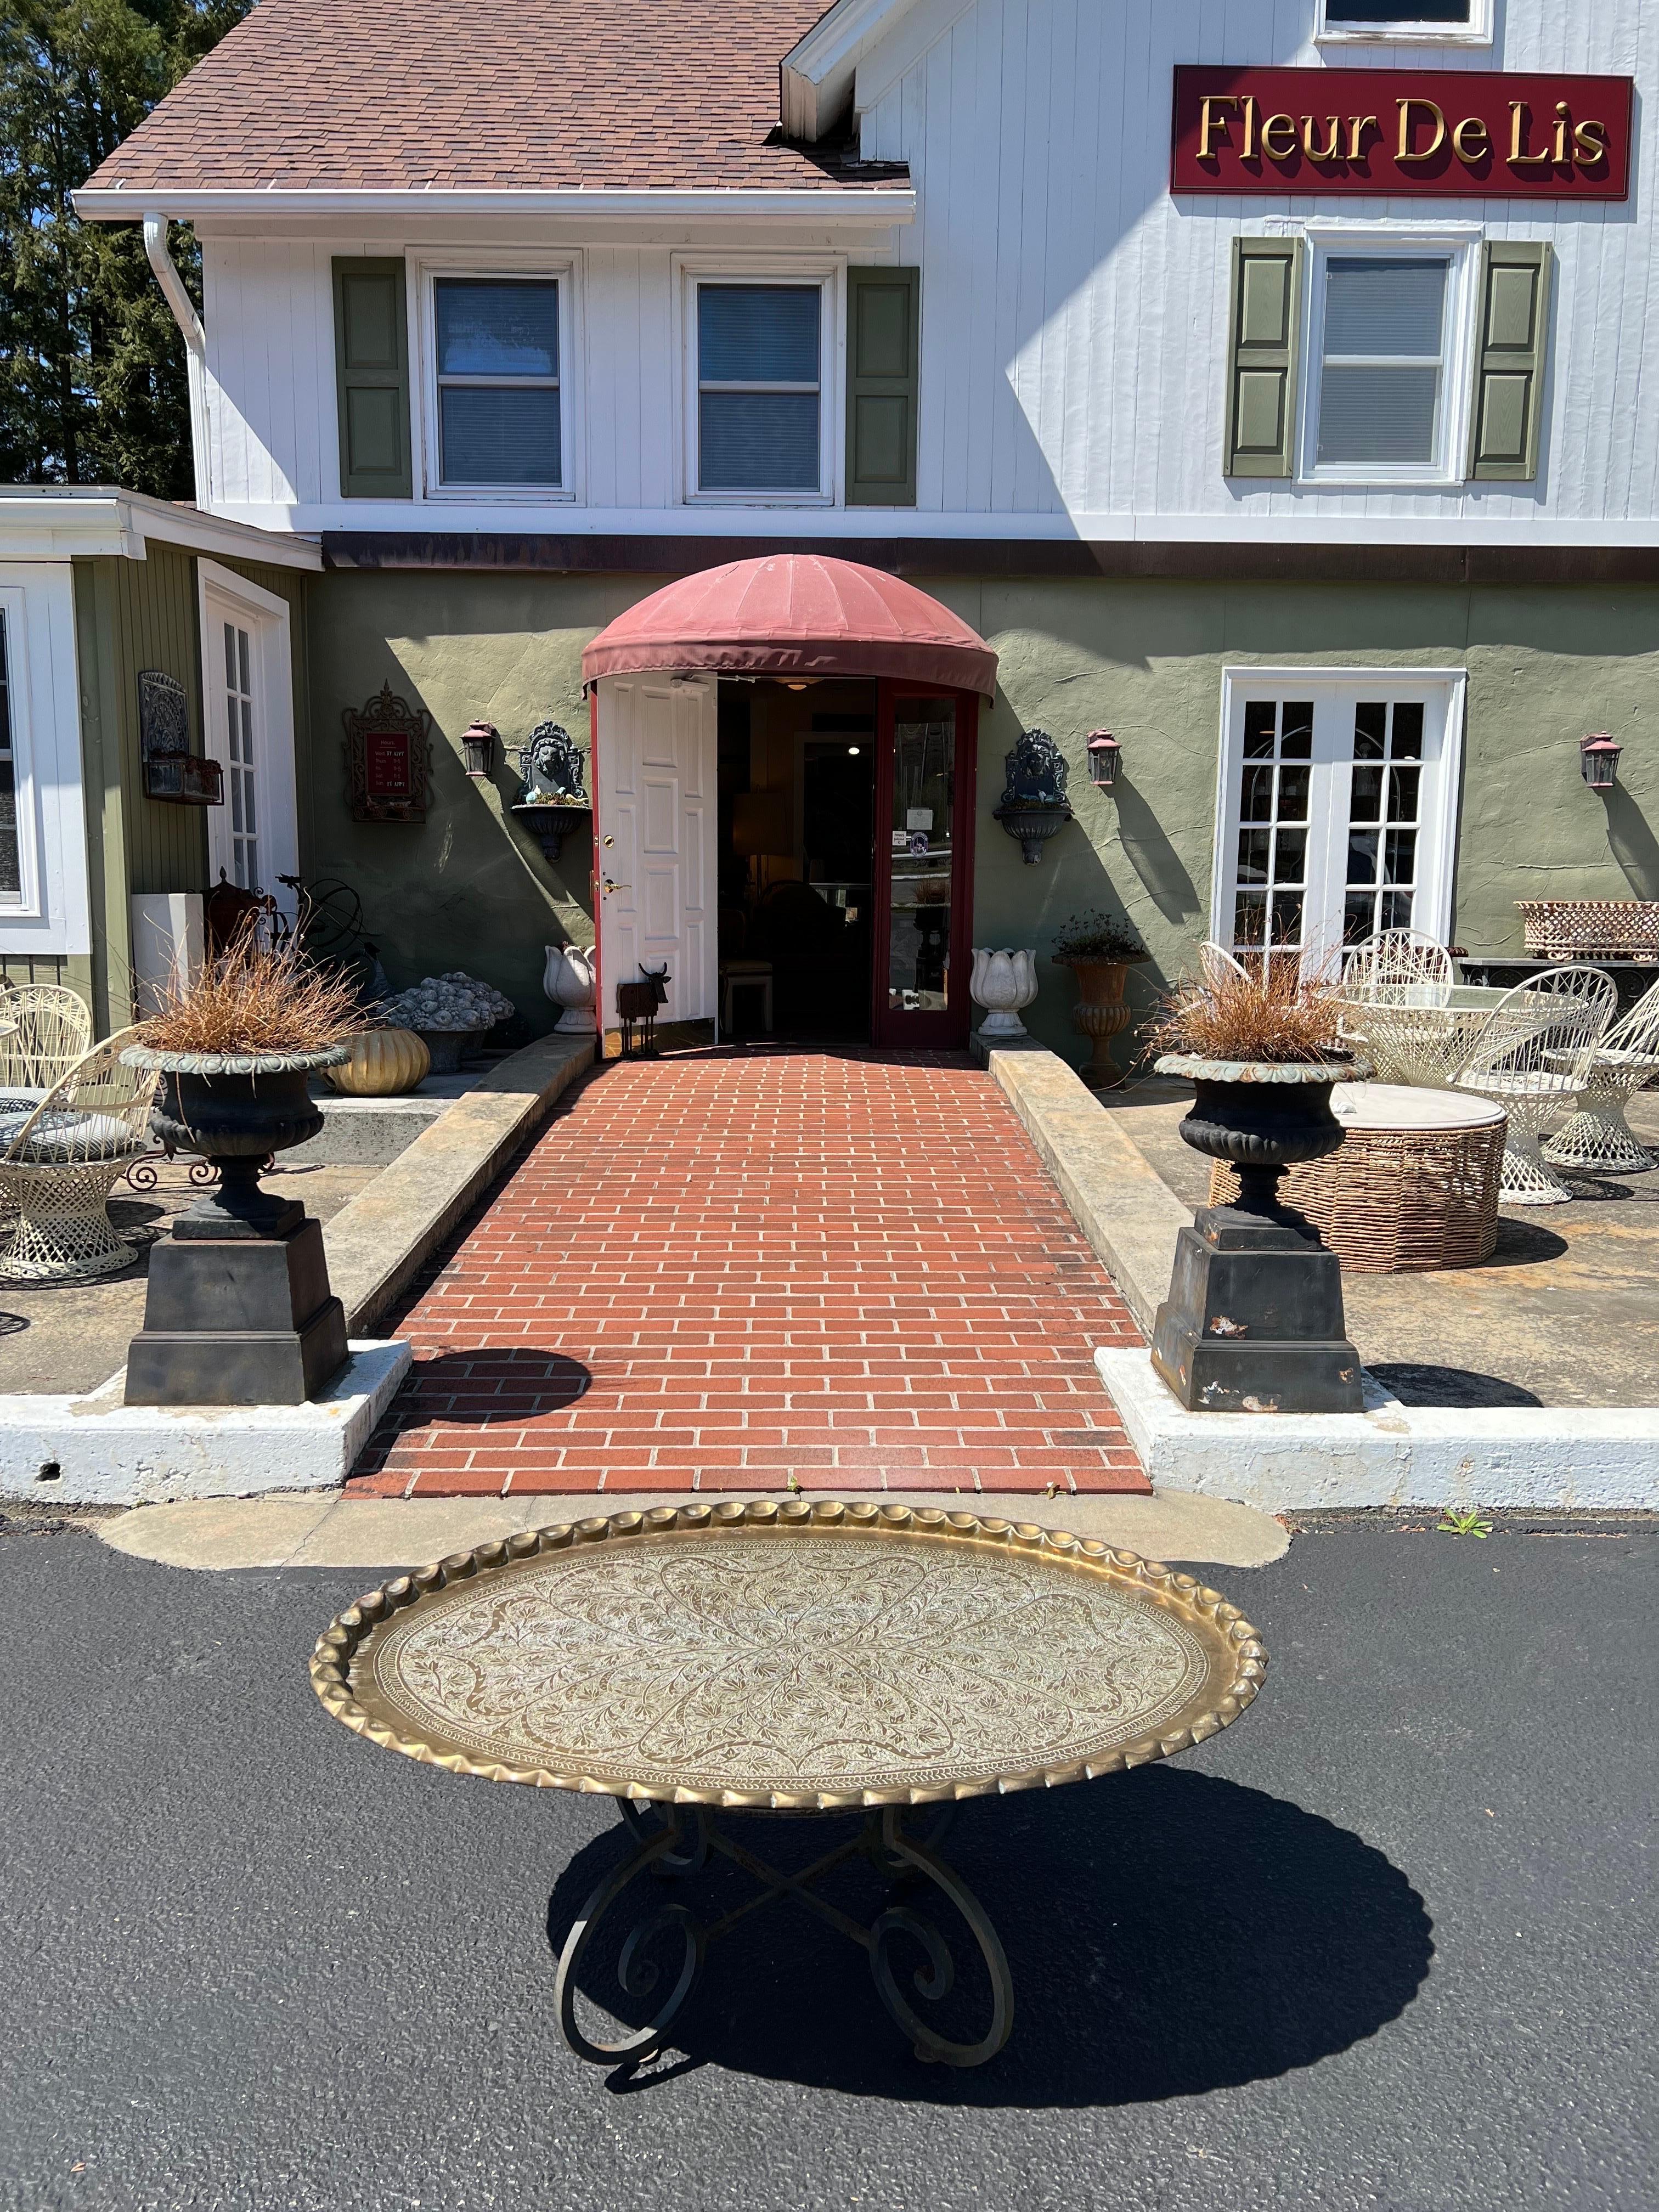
x: 1216, y: 964
x: 1599, y: 1136
x: 44, y: 1031
x: 60, y: 1160
x: 1534, y: 1058
x: 1396, y: 986
x: 1399, y: 968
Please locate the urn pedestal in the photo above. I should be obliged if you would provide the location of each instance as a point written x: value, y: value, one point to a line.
x: 238, y: 1309
x: 1253, y: 1322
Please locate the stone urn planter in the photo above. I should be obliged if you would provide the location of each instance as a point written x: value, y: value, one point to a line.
x: 238, y: 1309
x: 1005, y: 983
x: 569, y: 981
x: 1100, y: 1013
x: 1253, y: 1321
x: 446, y: 1047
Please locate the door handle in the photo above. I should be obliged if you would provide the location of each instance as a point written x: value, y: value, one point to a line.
x: 607, y: 886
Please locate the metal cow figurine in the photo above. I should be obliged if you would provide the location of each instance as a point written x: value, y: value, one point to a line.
x: 636, y: 1007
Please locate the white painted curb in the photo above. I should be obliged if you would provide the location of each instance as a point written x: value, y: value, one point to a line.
x: 108, y: 1453
x: 1584, y: 1457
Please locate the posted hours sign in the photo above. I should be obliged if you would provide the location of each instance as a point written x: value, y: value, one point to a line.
x: 1436, y: 132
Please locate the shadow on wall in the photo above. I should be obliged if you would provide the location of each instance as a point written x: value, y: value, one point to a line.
x: 1633, y: 842
x: 1153, y: 858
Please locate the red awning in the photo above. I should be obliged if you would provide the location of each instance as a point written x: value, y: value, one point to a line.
x: 795, y: 614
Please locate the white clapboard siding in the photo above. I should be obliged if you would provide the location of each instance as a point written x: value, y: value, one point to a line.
x: 1074, y: 316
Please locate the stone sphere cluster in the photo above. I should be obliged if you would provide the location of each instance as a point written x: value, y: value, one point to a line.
x: 455, y: 1001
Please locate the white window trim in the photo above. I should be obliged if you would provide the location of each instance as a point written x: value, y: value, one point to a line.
x: 269, y: 623
x: 1408, y: 30
x: 828, y: 272
x: 1461, y: 244
x: 565, y: 270
x: 1438, y: 814
x: 53, y: 914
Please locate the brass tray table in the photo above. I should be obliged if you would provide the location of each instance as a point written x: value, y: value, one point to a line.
x: 788, y: 1657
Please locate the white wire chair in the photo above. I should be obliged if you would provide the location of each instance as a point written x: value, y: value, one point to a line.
x: 60, y: 1161
x: 1399, y: 968
x: 1216, y: 964
x: 1533, y: 1059
x: 1599, y: 1135
x: 45, y: 1028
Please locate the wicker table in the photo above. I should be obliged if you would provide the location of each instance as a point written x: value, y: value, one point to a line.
x: 788, y: 1659
x: 1412, y: 1187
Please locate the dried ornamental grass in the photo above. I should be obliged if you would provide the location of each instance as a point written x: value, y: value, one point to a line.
x: 1269, y: 1013
x: 255, y: 997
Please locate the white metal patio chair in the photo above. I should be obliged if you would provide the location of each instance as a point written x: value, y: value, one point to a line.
x: 1216, y: 964
x: 47, y: 1028
x: 1535, y: 1066
x: 1400, y: 967
x: 1599, y: 1136
x: 59, y: 1161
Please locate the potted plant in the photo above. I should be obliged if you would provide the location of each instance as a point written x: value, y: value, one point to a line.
x: 1100, y: 952
x: 1253, y: 1321
x: 447, y: 1013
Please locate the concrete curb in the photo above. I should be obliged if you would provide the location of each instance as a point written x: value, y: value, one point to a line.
x: 1582, y: 1457
x: 396, y: 1532
x: 377, y: 1243
x: 1125, y: 1209
x: 106, y: 1453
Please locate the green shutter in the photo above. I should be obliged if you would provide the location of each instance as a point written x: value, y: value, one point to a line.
x: 1263, y: 336
x: 371, y: 352
x: 1509, y: 372
x: 883, y: 354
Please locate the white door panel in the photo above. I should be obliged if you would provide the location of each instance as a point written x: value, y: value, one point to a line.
x: 654, y: 778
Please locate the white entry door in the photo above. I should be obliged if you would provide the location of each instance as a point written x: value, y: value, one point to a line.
x: 247, y: 699
x: 653, y: 777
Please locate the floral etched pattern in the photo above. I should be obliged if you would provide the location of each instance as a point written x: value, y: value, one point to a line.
x: 774, y: 1664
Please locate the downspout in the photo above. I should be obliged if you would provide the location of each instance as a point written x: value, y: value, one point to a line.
x: 195, y: 338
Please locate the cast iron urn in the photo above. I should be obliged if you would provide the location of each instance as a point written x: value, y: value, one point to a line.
x: 1254, y: 1321
x: 238, y: 1311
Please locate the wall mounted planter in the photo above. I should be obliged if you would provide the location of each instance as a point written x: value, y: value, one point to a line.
x: 1034, y: 806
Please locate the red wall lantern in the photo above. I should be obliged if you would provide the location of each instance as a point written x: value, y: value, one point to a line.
x: 1598, y: 760
x: 1104, y: 754
x: 478, y: 743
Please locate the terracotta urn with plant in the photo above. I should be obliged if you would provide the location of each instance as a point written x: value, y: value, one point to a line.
x: 1100, y: 953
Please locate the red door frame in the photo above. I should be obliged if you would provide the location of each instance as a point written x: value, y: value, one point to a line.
x: 891, y: 1028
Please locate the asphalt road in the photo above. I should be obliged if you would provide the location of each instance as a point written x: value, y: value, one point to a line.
x: 1388, y: 1943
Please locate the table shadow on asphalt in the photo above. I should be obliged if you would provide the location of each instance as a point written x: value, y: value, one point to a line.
x: 1125, y: 1991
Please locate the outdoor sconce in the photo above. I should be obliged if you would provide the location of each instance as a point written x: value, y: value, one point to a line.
x: 1104, y: 754
x: 1598, y: 760
x: 478, y: 743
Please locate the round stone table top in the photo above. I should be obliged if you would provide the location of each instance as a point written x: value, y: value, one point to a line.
x: 798, y: 1655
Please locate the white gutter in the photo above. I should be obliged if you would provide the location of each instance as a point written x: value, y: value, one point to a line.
x: 875, y: 204
x: 173, y: 284
x: 61, y: 522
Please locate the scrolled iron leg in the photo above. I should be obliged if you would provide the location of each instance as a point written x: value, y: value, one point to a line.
x: 637, y: 1975
x: 644, y: 1822
x: 934, y: 1981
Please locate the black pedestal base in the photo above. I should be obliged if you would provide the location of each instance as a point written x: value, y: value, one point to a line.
x: 237, y: 1320
x: 1254, y: 1321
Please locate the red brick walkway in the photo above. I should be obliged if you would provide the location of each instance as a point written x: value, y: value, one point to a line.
x: 718, y: 1271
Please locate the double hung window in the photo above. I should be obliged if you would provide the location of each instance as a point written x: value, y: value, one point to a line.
x: 1464, y: 22
x: 1382, y: 323
x: 760, y: 425
x: 499, y: 422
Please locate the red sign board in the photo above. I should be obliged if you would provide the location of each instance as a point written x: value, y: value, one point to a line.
x: 1436, y: 131
x: 388, y: 764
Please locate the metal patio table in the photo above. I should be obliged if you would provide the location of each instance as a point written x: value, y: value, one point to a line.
x: 788, y: 1658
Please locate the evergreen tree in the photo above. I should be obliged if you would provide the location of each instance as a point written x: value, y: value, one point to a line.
x: 92, y: 385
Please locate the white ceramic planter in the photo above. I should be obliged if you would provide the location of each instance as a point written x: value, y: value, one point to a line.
x: 1003, y: 982
x: 568, y: 981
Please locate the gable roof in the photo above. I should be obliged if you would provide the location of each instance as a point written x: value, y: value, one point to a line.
x: 487, y: 96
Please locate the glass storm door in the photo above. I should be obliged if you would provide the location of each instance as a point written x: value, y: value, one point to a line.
x: 923, y: 861
x: 1338, y: 806
x: 240, y: 830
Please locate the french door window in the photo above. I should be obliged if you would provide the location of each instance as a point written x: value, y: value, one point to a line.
x: 1337, y: 810
x: 241, y: 769
x: 11, y: 858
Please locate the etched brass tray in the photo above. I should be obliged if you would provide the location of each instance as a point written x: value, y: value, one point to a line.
x: 796, y: 1656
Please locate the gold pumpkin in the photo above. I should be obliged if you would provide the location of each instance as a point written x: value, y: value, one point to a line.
x: 384, y: 1063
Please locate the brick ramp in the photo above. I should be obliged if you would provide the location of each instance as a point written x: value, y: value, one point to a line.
x: 722, y: 1269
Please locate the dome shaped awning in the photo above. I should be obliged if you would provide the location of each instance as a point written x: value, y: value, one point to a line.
x: 795, y: 614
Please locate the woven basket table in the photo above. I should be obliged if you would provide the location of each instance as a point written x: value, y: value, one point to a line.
x: 1411, y: 1188
x: 786, y: 1660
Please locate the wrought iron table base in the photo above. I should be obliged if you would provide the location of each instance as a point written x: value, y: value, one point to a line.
x: 679, y: 1840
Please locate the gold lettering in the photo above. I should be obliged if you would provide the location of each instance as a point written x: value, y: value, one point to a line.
x: 1330, y: 153
x: 1520, y: 119
x: 1357, y: 126
x: 1472, y: 140
x: 1589, y: 142
x: 1562, y: 118
x: 1407, y: 125
x: 1248, y: 154
x: 1270, y: 131
x: 1209, y: 122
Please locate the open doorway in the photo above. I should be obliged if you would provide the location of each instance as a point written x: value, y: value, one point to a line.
x: 796, y: 841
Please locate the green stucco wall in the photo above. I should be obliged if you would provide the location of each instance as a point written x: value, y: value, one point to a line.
x: 1144, y: 659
